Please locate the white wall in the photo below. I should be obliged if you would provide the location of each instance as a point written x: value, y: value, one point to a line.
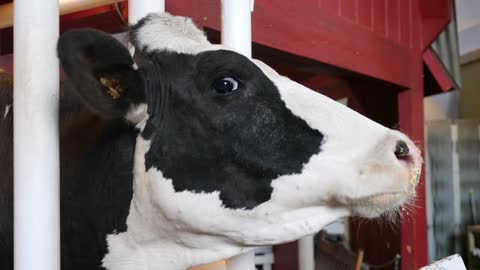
x: 441, y: 106
x: 467, y: 13
x: 468, y: 25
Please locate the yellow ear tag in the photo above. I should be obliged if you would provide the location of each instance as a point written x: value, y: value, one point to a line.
x: 114, y: 88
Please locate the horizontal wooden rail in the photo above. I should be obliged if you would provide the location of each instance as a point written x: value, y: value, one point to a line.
x: 66, y: 7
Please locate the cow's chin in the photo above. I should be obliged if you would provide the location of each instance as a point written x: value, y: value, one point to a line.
x: 380, y: 204
x: 388, y: 203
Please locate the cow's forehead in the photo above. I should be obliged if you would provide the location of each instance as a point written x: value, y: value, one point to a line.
x: 167, y: 32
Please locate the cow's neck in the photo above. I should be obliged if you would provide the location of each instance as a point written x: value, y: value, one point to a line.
x: 153, y: 240
x: 167, y: 229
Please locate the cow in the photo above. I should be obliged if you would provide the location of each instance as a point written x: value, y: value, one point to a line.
x: 188, y: 152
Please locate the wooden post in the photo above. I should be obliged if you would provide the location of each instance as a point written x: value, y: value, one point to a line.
x: 414, y: 225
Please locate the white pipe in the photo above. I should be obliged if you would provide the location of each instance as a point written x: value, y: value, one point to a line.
x: 137, y: 9
x: 245, y: 261
x: 306, y: 257
x: 66, y: 7
x: 237, y: 35
x: 36, y: 139
x: 237, y: 25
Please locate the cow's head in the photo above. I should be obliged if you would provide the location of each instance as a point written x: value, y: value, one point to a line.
x: 228, y: 147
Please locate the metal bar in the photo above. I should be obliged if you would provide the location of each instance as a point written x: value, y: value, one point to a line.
x: 137, y: 9
x: 306, y: 257
x: 237, y: 26
x: 453, y: 40
x: 429, y: 199
x: 244, y: 261
x: 36, y: 139
x: 66, y: 7
x: 237, y: 35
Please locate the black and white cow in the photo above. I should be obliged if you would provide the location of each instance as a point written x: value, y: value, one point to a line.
x: 196, y: 153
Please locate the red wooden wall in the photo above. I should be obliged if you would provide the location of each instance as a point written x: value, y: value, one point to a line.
x: 390, y: 19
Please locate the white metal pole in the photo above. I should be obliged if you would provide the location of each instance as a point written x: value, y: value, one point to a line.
x: 137, y: 9
x: 237, y: 25
x: 244, y: 261
x: 306, y: 257
x: 36, y: 140
x: 237, y: 35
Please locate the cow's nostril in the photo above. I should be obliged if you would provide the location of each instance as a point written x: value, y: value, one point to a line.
x: 401, y: 149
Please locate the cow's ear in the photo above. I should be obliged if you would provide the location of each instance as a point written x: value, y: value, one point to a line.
x: 101, y: 70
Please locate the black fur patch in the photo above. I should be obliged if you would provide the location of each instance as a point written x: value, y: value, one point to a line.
x: 236, y: 144
x: 96, y: 182
x: 96, y: 187
x: 6, y: 173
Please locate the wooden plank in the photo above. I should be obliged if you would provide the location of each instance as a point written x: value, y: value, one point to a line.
x: 405, y: 22
x: 104, y: 18
x: 365, y: 9
x: 393, y: 17
x: 331, y: 6
x: 332, y: 40
x: 348, y: 9
x: 379, y: 17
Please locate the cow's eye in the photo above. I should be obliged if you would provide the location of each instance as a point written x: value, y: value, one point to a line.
x: 225, y: 86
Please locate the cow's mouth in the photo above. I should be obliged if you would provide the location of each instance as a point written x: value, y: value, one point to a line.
x: 378, y: 204
x: 383, y: 200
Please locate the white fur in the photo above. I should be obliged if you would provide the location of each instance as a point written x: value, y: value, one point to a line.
x: 131, y: 50
x: 7, y: 110
x: 137, y: 114
x: 167, y: 32
x: 357, y: 158
x: 355, y: 172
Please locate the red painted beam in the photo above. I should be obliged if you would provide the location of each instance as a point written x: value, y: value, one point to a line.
x: 414, y: 247
x: 440, y: 73
x: 435, y: 16
x: 304, y: 29
x: 414, y: 225
x: 105, y: 18
x: 286, y: 256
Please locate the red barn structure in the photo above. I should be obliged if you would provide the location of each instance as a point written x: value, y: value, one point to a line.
x: 374, y: 52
